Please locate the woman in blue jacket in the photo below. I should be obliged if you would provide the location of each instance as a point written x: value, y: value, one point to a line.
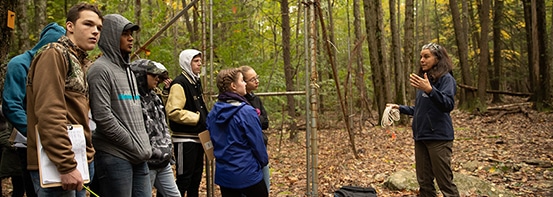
x: 235, y: 130
x: 432, y: 126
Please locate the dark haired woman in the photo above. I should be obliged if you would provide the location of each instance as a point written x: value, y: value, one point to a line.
x: 237, y: 139
x: 432, y: 125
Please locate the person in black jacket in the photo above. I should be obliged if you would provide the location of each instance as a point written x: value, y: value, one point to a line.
x: 432, y: 125
x: 186, y: 112
x: 252, y: 83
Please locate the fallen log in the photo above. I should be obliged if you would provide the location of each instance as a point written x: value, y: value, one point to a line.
x: 511, y: 106
x: 497, y: 91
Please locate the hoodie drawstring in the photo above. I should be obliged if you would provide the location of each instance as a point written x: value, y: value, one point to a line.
x: 131, y: 83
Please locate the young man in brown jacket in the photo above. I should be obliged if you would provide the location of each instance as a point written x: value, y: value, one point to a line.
x: 57, y: 96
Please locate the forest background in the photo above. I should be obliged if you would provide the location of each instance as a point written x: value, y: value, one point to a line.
x: 328, y: 48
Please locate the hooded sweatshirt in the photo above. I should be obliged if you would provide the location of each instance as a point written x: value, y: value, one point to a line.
x: 14, y: 104
x: 237, y: 144
x: 115, y: 100
x: 57, y: 96
x: 153, y: 112
x: 185, y: 106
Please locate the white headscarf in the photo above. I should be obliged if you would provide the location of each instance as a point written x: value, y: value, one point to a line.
x: 185, y: 58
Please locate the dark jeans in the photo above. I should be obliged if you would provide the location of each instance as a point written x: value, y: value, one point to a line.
x: 58, y: 191
x: 27, y: 181
x: 18, y: 186
x: 11, y: 168
x: 192, y: 156
x: 257, y: 190
x: 433, y: 160
x: 120, y: 178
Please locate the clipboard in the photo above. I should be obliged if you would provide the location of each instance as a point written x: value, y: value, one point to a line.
x: 49, y: 175
x: 205, y: 139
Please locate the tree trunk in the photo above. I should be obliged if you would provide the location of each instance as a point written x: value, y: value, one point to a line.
x: 382, y: 48
x: 5, y: 32
x: 551, y: 59
x: 528, y: 27
x: 462, y: 44
x: 535, y: 79
x: 408, y: 47
x: 497, y: 80
x: 396, y: 56
x: 484, y: 55
x: 437, y: 22
x: 330, y: 29
x: 137, y: 14
x: 188, y: 24
x: 288, y: 69
x: 196, y: 23
x: 22, y: 22
x: 360, y: 75
x: 473, y: 27
x: 543, y: 86
x: 377, y: 51
x: 40, y: 17
x: 424, y: 22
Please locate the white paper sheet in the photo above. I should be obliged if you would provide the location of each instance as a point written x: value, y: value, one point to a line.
x: 49, y: 175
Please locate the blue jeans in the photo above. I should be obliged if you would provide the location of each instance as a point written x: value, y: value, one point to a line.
x: 164, y: 181
x: 266, y: 178
x: 58, y: 191
x: 117, y: 177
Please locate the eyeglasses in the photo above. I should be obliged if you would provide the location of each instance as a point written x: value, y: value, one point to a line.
x: 255, y: 79
x: 156, y: 77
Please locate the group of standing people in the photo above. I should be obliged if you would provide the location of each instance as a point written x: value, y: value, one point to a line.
x: 129, y: 146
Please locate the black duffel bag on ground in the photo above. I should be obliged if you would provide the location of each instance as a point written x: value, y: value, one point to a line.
x: 354, y: 191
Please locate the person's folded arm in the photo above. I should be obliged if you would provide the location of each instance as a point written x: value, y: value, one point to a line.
x: 175, y: 107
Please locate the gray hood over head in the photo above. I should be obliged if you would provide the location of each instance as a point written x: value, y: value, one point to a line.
x: 110, y: 40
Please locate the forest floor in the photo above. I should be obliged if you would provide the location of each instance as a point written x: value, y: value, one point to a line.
x: 514, y: 151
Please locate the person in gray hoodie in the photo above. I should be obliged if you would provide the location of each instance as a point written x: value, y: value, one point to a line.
x: 121, y: 141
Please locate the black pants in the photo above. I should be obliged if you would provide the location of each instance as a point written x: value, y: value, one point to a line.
x: 257, y: 190
x: 27, y: 181
x: 433, y: 161
x: 192, y: 156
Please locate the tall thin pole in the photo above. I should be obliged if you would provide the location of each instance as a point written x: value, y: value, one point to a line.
x: 313, y: 99
x: 307, y: 99
x: 209, y: 163
x: 211, y: 41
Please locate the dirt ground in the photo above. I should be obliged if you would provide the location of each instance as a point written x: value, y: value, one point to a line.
x: 514, y: 151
